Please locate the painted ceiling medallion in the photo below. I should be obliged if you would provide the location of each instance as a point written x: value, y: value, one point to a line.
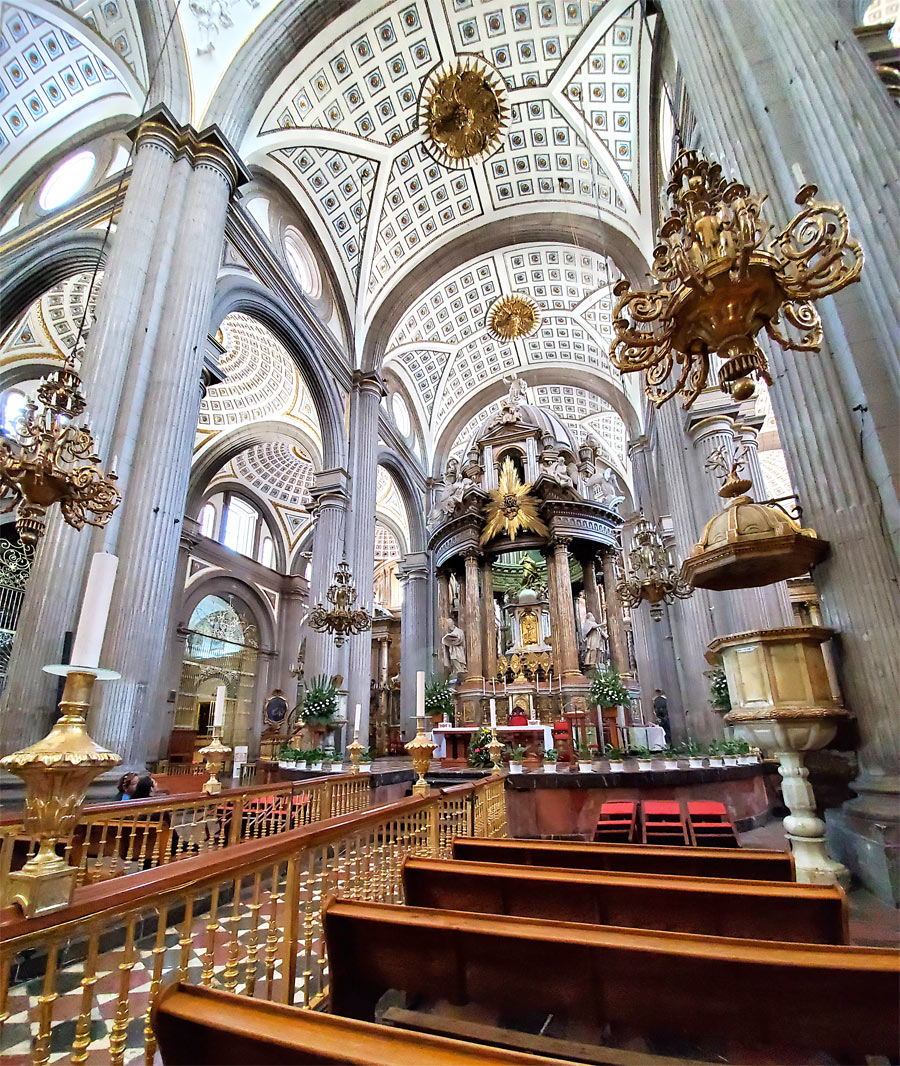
x: 513, y: 316
x: 511, y: 507
x: 462, y: 112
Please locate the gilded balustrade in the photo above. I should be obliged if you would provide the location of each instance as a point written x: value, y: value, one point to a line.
x: 124, y: 838
x: 245, y: 918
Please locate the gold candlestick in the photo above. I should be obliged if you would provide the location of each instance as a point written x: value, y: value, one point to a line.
x: 421, y: 748
x: 214, y: 755
x: 495, y: 750
x: 57, y: 772
x: 355, y: 751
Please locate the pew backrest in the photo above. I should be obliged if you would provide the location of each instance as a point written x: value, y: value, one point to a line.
x: 763, y: 910
x: 198, y: 1026
x: 744, y: 863
x: 841, y: 1001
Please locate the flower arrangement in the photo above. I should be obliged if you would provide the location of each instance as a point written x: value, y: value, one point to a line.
x: 478, y: 748
x: 607, y: 689
x: 438, y: 698
x: 719, y: 696
x: 319, y: 702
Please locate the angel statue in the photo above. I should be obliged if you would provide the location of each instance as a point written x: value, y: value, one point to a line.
x: 517, y: 395
x: 606, y: 488
x: 450, y: 494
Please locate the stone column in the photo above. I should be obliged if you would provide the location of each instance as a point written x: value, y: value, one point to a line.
x: 767, y: 108
x: 562, y: 612
x: 615, y: 623
x: 592, y: 600
x: 177, y: 635
x: 290, y: 611
x: 364, y: 399
x: 413, y: 633
x: 154, y: 439
x: 472, y: 624
x: 331, y: 497
x: 384, y: 648
x: 56, y: 583
x: 442, y: 659
x: 490, y: 620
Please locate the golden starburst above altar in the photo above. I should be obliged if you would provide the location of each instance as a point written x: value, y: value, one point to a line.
x: 513, y: 316
x: 511, y: 507
x: 462, y: 112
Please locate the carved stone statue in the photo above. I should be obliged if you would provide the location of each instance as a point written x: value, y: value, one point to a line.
x: 606, y: 488
x: 517, y: 395
x: 594, y: 640
x: 450, y: 494
x: 454, y: 640
x: 559, y: 472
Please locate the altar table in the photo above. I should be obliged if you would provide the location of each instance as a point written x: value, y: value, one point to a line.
x: 647, y: 736
x: 452, y: 742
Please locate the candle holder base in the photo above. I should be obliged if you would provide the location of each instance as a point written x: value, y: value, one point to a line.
x: 421, y: 748
x: 42, y: 891
x: 355, y: 751
x: 214, y: 756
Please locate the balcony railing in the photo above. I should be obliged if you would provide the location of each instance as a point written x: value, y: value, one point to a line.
x: 245, y: 918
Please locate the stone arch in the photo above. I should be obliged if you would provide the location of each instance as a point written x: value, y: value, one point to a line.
x: 587, y: 232
x: 389, y: 524
x: 242, y: 294
x: 535, y: 375
x: 227, y: 445
x: 257, y: 500
x: 413, y: 501
x: 220, y: 584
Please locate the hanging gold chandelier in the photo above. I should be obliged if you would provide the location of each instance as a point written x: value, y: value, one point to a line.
x: 654, y: 576
x: 341, y: 618
x: 49, y: 459
x: 718, y: 286
x: 462, y: 112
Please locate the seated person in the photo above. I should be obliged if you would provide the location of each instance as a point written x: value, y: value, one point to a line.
x: 125, y: 787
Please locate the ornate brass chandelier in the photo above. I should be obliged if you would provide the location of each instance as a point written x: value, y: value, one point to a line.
x: 654, y: 576
x: 462, y: 112
x: 50, y: 459
x: 513, y: 316
x: 718, y: 287
x: 341, y: 618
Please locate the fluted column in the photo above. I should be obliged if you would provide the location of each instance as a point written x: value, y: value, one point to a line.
x: 290, y: 611
x: 413, y: 632
x: 364, y: 399
x: 331, y: 498
x: 56, y: 582
x: 154, y: 439
x: 442, y: 658
x: 592, y: 601
x: 490, y: 619
x: 769, y: 108
x: 472, y: 625
x: 615, y: 622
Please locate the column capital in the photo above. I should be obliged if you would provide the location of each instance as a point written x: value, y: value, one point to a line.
x: 369, y: 381
x: 293, y: 586
x: 701, y: 429
x: 207, y: 148
x: 640, y: 443
x: 471, y: 554
x: 413, y: 566
x: 331, y: 488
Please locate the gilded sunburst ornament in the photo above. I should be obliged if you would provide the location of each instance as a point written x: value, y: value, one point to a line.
x: 511, y: 507
x: 513, y: 316
x: 462, y: 112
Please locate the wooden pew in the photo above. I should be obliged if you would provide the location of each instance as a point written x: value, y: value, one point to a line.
x: 765, y: 910
x: 790, y: 999
x: 199, y: 1026
x: 743, y: 863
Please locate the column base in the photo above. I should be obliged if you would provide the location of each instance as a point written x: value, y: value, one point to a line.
x: 865, y: 835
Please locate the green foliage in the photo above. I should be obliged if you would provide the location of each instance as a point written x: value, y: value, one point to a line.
x: 439, y: 697
x: 584, y: 753
x: 691, y: 749
x: 615, y: 754
x: 516, y: 754
x: 731, y: 748
x: 365, y: 755
x: 743, y: 747
x: 289, y: 754
x: 671, y: 751
x: 551, y: 755
x: 714, y: 749
x: 479, y: 756
x: 607, y: 689
x: 718, y: 690
x: 319, y: 703
x: 641, y: 752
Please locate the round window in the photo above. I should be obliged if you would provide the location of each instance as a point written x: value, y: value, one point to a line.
x: 401, y: 414
x: 302, y: 263
x: 67, y: 181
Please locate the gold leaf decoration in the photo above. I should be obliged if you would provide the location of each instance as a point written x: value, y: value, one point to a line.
x: 462, y: 113
x: 511, y: 507
x: 513, y: 316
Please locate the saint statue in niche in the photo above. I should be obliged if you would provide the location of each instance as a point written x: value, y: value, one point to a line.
x: 454, y: 640
x: 528, y: 625
x: 594, y: 640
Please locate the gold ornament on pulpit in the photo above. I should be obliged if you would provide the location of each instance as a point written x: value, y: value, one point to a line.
x: 511, y: 507
x: 529, y: 626
x: 718, y: 286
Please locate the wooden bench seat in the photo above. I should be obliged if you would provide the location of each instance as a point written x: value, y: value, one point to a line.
x: 743, y: 863
x: 205, y: 1027
x: 764, y: 910
x: 793, y: 1000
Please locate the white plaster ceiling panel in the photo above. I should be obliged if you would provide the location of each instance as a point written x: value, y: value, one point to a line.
x: 46, y: 74
x: 474, y: 365
x: 423, y: 200
x: 278, y: 470
x: 453, y: 310
x: 261, y: 381
x: 568, y: 402
x: 342, y: 186
x: 117, y: 22
x: 776, y: 479
x: 563, y: 338
x: 604, y: 90
x: 365, y: 83
x: 556, y: 278
x: 467, y: 434
x: 610, y: 429
x: 525, y: 41
x: 424, y: 366
x: 544, y: 158
x: 386, y: 546
x: 47, y: 330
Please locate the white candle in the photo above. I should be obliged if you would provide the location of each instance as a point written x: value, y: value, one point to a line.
x: 494, y: 685
x: 493, y: 706
x: 358, y: 714
x: 219, y: 713
x: 94, y: 611
x: 420, y: 693
x: 531, y: 704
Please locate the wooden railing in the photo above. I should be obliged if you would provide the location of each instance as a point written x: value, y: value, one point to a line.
x: 113, y: 839
x: 246, y: 918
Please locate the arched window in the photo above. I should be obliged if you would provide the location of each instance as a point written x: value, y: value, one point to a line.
x: 208, y: 520
x: 11, y: 406
x: 267, y: 552
x: 67, y: 181
x: 240, y: 526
